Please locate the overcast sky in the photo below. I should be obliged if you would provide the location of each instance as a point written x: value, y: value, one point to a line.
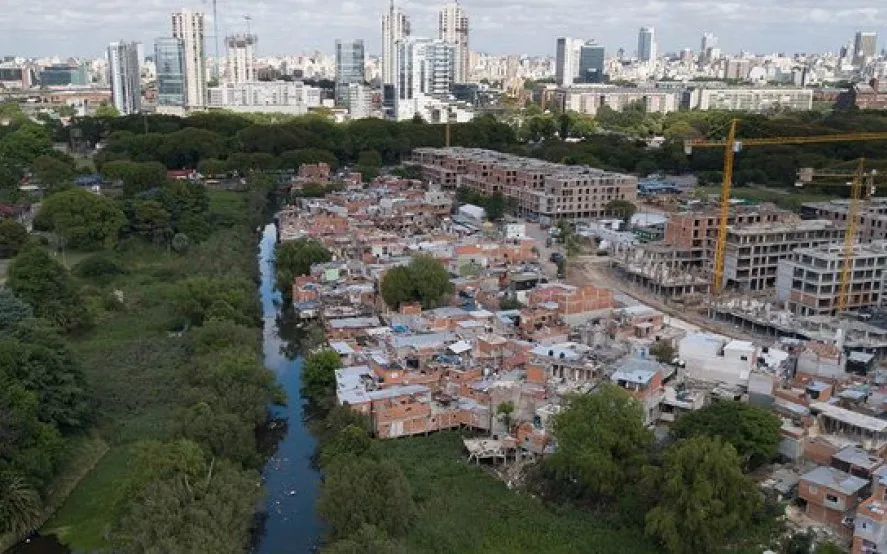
x: 84, y: 27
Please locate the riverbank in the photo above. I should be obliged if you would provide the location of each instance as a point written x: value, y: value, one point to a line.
x: 146, y: 375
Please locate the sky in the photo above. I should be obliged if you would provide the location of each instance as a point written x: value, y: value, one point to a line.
x: 85, y: 27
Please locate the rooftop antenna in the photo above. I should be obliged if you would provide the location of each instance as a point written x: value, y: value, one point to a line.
x: 215, y: 38
x: 248, y: 18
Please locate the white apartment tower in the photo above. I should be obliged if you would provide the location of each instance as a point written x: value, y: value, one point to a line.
x: 241, y: 65
x: 124, y: 75
x: 425, y: 69
x: 395, y: 27
x: 187, y: 25
x: 566, y: 69
x: 647, y: 44
x: 452, y: 28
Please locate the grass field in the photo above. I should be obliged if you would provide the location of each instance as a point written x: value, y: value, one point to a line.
x: 462, y: 508
x: 784, y: 198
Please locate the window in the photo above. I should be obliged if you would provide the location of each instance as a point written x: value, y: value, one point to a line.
x: 831, y: 498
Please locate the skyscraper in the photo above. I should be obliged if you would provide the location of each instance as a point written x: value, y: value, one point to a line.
x: 707, y: 47
x: 646, y: 44
x: 426, y: 67
x: 591, y: 63
x: 241, y: 65
x: 566, y: 68
x: 169, y: 58
x: 395, y: 27
x: 124, y: 75
x: 452, y: 28
x: 350, y: 64
x: 187, y: 25
x: 865, y: 45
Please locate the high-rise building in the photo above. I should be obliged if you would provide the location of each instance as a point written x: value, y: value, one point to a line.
x: 452, y: 28
x: 188, y: 26
x: 124, y: 75
x: 591, y: 63
x: 350, y: 67
x: 865, y: 46
x: 241, y: 66
x: 169, y: 58
x: 395, y: 27
x: 709, y: 40
x: 566, y: 67
x: 646, y: 44
x: 426, y: 67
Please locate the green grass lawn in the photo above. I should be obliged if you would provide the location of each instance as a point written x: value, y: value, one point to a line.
x: 462, y: 508
x: 81, y: 521
x: 789, y: 199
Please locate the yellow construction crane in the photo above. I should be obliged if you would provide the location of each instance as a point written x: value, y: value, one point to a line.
x: 861, y: 183
x: 731, y: 146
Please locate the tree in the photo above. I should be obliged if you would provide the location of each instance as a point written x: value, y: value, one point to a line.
x: 295, y: 258
x: 352, y: 441
x: 20, y: 505
x: 82, y: 219
x: 366, y: 540
x: 379, y: 495
x: 319, y: 374
x: 601, y: 441
x: 44, y: 283
x: 702, y: 497
x: 106, y: 111
x: 12, y: 310
x: 622, y: 208
x: 52, y: 172
x: 151, y: 220
x: 424, y: 280
x: 504, y: 412
x: 135, y: 177
x: 510, y: 304
x: 752, y: 431
x: 13, y: 237
x: 180, y: 243
x: 663, y: 351
x: 200, y: 298
x: 211, y: 167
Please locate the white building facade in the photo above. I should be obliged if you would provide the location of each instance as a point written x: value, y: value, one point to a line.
x: 124, y: 76
x: 453, y: 29
x: 395, y: 27
x: 188, y: 26
x: 290, y: 97
x: 241, y: 64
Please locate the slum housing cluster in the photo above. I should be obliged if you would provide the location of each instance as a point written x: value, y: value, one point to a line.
x: 415, y: 371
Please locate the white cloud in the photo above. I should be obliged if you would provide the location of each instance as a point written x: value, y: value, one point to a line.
x: 84, y: 27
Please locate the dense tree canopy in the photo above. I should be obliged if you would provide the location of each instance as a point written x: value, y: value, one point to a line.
x: 45, y: 284
x: 319, y: 374
x: 601, y: 441
x: 702, y: 497
x: 294, y: 258
x: 424, y: 280
x: 82, y: 219
x: 13, y: 237
x: 752, y: 431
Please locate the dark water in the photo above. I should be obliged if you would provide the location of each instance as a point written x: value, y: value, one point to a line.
x: 291, y: 524
x: 39, y: 545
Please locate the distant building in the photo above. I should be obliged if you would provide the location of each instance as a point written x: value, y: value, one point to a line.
x: 452, y: 28
x: 864, y: 96
x: 646, y: 44
x: 188, y: 26
x: 360, y: 101
x: 350, y: 61
x: 865, y: 48
x: 124, y: 75
x: 292, y: 97
x: 395, y: 27
x: 752, y: 99
x: 591, y: 63
x: 169, y: 59
x: 566, y: 69
x: 588, y: 100
x: 241, y: 64
x: 61, y: 75
x: 426, y: 69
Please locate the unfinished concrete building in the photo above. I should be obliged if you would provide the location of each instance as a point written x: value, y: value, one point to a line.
x: 809, y: 281
x: 540, y: 189
x: 652, y: 268
x: 753, y: 252
x: 871, y: 221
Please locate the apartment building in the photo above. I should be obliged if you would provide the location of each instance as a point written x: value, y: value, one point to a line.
x: 871, y: 221
x: 752, y: 252
x: 752, y: 100
x: 809, y: 281
x: 588, y: 100
x: 870, y: 524
x: 831, y: 496
x: 541, y: 190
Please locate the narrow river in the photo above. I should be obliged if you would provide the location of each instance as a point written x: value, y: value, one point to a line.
x: 290, y: 480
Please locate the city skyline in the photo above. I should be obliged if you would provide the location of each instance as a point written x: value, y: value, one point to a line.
x: 529, y: 27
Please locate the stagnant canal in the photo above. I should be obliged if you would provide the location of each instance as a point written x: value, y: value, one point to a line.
x: 290, y: 523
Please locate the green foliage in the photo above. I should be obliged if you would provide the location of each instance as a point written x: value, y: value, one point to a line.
x: 378, y: 494
x: 151, y: 220
x: 13, y: 237
x: 424, y: 280
x: 211, y: 167
x: 510, y: 303
x: 181, y: 500
x: 106, y: 110
x: 180, y: 243
x: 601, y: 441
x: 135, y: 177
x: 82, y: 219
x: 201, y: 298
x: 294, y: 159
x: 52, y: 172
x: 12, y: 310
x: 494, y: 206
x: 622, y: 209
x: 44, y: 283
x: 295, y: 258
x: 319, y: 374
x: 702, y: 497
x: 100, y: 268
x: 752, y: 431
x: 367, y: 540
x: 504, y: 412
x: 350, y: 442
x: 663, y: 351
x: 26, y: 143
x: 20, y: 505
